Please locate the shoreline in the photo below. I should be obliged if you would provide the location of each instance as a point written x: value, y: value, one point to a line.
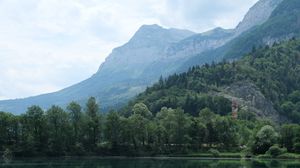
x: 152, y: 158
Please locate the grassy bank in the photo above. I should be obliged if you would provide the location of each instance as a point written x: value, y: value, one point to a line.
x: 210, y: 155
x: 237, y: 155
x: 282, y: 156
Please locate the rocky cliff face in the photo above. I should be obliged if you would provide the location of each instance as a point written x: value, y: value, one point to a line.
x: 199, y: 43
x: 144, y: 48
x: 252, y: 99
x: 257, y: 15
x: 217, y: 37
x: 249, y: 98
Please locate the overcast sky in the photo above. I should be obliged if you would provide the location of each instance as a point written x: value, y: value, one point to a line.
x: 46, y: 45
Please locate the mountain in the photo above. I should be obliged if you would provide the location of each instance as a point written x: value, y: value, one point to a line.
x: 118, y: 78
x: 265, y: 84
x: 181, y: 55
x: 217, y: 37
x: 144, y: 48
x: 283, y: 24
x: 152, y: 52
x: 257, y: 15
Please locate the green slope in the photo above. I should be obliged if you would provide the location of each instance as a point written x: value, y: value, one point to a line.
x: 274, y: 71
x: 283, y: 24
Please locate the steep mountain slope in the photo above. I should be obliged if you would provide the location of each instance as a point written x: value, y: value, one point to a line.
x: 146, y: 46
x: 118, y: 78
x: 152, y: 52
x: 199, y: 44
x: 257, y: 15
x: 265, y: 83
x: 283, y: 24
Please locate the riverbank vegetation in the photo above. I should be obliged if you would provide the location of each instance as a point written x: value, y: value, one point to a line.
x: 171, y: 132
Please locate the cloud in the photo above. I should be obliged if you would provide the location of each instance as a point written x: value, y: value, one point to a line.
x: 47, y: 45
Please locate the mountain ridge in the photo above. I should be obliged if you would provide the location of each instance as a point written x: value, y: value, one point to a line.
x: 286, y: 25
x: 120, y: 79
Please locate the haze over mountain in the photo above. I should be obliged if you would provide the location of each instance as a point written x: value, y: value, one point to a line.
x: 283, y: 24
x: 153, y: 51
x: 117, y: 77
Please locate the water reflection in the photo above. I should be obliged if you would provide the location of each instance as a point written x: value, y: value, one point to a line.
x: 148, y: 163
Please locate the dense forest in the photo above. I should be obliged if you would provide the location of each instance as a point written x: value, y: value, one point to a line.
x: 77, y: 132
x: 178, y: 115
x: 274, y: 70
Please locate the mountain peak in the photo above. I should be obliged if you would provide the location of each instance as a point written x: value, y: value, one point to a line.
x: 149, y: 30
x: 150, y: 27
x: 216, y: 31
x: 145, y: 47
x: 155, y: 35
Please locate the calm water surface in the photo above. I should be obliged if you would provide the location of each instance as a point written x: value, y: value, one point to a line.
x: 147, y: 163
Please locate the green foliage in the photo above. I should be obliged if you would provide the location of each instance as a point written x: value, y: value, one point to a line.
x: 297, y: 147
x: 274, y: 70
x: 142, y: 109
x: 289, y: 156
x: 170, y: 131
x: 52, y: 133
x: 138, y: 125
x: 246, y: 115
x: 214, y: 152
x: 34, y: 124
x: 275, y: 151
x: 175, y: 125
x: 247, y: 153
x: 264, y: 139
x: 76, y: 117
x: 113, y: 128
x: 206, y: 115
x: 93, y: 122
x: 7, y: 155
x: 57, y: 121
x: 290, y: 134
x: 294, y: 96
x: 227, y: 131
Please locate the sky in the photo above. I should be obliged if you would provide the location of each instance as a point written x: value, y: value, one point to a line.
x: 47, y: 45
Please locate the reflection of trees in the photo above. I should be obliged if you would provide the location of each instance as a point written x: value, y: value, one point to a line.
x: 150, y: 163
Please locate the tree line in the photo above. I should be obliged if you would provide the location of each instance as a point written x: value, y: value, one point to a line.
x: 77, y: 131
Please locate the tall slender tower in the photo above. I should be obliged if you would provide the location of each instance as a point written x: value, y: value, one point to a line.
x: 235, y: 108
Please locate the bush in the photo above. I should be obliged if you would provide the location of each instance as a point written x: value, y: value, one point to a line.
x: 288, y: 156
x: 247, y: 153
x: 79, y: 149
x: 264, y: 139
x: 297, y: 147
x: 7, y: 155
x: 214, y: 152
x: 275, y: 151
x: 264, y: 156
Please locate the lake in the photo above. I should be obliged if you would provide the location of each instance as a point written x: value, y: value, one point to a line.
x: 148, y: 163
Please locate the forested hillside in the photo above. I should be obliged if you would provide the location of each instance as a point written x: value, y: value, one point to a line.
x: 183, y: 114
x: 275, y: 71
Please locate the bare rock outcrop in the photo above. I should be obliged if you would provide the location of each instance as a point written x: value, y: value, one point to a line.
x: 249, y: 97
